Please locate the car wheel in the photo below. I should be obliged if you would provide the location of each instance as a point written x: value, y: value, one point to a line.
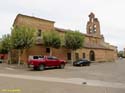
x: 41, y: 67
x: 81, y: 65
x: 62, y: 66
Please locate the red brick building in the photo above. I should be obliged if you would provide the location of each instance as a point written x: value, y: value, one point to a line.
x: 95, y: 48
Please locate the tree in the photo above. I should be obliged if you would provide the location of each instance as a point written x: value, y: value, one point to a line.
x: 5, y: 46
x: 73, y: 40
x: 120, y: 53
x: 22, y: 38
x: 2, y: 51
x: 51, y: 39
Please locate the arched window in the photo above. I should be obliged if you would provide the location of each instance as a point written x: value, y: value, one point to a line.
x: 94, y: 28
x: 92, y: 55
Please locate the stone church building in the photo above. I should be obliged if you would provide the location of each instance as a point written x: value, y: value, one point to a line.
x: 95, y: 48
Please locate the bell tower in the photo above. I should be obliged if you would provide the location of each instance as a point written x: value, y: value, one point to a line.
x: 93, y: 25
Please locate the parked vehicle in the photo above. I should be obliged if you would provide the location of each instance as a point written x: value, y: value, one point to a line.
x: 81, y: 62
x: 41, y: 62
x: 34, y: 57
x: 1, y: 61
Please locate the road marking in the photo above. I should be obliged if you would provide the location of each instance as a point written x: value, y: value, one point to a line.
x: 77, y: 81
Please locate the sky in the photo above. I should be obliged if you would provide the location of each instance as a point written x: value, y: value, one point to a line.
x: 70, y: 14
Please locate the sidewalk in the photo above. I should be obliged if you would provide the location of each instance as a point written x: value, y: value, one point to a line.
x: 14, y: 66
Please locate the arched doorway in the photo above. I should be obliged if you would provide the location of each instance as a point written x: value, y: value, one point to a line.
x: 92, y: 55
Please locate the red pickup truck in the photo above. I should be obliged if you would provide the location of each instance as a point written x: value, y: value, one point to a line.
x: 40, y: 62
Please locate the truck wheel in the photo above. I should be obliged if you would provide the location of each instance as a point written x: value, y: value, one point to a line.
x: 41, y: 67
x: 35, y: 68
x: 62, y: 66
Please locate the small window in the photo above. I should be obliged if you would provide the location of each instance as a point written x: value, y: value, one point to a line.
x: 94, y: 28
x: 77, y: 56
x: 69, y: 56
x: 39, y: 32
x: 83, y: 55
x: 47, y: 50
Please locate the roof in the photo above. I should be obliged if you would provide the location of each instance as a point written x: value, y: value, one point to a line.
x: 86, y: 45
x: 65, y: 30
x: 62, y: 30
x: 22, y: 15
x: 96, y: 46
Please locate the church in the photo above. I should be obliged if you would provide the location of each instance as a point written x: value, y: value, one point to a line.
x: 95, y: 48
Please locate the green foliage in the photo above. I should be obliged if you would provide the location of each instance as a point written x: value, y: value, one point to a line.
x: 22, y: 37
x: 73, y: 40
x: 51, y: 39
x: 5, y: 44
x: 120, y: 53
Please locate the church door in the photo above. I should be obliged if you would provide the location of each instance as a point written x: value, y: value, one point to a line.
x: 92, y: 55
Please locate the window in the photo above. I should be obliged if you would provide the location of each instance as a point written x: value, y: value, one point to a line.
x: 77, y: 56
x: 94, y: 28
x: 52, y: 58
x: 39, y: 32
x: 83, y: 55
x: 90, y: 30
x: 47, y: 50
x: 37, y: 57
x: 69, y: 56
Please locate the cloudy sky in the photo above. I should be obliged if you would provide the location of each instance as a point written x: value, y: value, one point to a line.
x: 70, y: 14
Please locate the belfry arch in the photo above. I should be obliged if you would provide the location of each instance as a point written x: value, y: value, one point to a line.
x: 93, y: 25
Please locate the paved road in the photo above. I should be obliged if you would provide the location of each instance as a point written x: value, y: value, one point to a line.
x: 36, y: 86
x: 100, y: 78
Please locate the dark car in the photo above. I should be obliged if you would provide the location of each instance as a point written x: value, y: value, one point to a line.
x: 81, y: 62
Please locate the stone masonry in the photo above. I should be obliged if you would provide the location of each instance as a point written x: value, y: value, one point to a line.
x: 95, y: 48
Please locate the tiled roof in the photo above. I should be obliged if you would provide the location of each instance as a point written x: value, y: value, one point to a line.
x: 95, y: 46
x: 62, y: 30
x: 65, y: 30
x: 22, y: 15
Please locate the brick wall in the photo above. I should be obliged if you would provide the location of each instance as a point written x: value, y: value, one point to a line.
x: 100, y: 54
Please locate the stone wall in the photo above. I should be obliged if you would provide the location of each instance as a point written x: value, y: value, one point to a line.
x: 94, y: 41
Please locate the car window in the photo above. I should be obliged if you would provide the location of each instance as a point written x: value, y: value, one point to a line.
x: 51, y: 58
x: 80, y: 61
x: 41, y: 57
x: 38, y: 57
x: 55, y: 58
x: 35, y: 57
